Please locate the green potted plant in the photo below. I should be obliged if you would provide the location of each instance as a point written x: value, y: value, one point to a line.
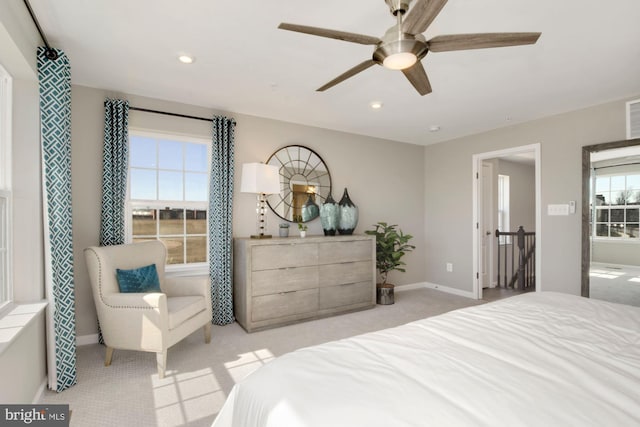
x: 391, y: 245
x: 303, y: 229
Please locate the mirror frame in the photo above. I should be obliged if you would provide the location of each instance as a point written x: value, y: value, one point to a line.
x: 281, y: 198
x: 586, y: 191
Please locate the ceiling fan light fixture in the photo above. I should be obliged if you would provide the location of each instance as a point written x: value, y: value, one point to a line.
x: 399, y: 61
x: 400, y: 54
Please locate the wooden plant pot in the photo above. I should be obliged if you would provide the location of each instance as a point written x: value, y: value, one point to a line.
x: 384, y: 294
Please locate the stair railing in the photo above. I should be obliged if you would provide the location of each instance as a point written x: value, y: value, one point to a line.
x: 524, y: 276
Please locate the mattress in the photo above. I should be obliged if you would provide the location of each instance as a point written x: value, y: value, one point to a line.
x: 537, y: 359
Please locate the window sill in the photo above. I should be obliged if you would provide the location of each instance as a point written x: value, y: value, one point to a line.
x: 15, y: 319
x: 192, y: 270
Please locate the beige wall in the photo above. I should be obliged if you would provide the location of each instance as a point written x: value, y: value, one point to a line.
x: 522, y: 194
x: 23, y: 362
x: 23, y: 366
x: 448, y: 193
x: 616, y: 253
x: 385, y: 178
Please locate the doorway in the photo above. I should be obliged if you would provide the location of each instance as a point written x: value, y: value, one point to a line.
x: 486, y: 194
x: 611, y: 222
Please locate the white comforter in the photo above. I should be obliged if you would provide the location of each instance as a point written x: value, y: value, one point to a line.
x: 539, y: 359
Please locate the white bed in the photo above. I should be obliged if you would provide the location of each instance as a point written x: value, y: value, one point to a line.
x: 538, y: 359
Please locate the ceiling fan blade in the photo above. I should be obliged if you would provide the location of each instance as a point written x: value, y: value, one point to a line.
x: 480, y: 41
x: 332, y: 34
x: 421, y: 15
x: 349, y: 73
x: 418, y: 78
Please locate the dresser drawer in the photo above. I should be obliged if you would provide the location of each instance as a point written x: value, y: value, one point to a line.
x: 271, y: 257
x: 343, y: 295
x: 284, y: 304
x: 346, y: 272
x: 335, y: 252
x: 267, y: 282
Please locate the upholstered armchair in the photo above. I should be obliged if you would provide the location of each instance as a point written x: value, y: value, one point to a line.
x: 150, y: 321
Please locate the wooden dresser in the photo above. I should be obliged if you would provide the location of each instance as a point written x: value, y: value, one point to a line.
x: 284, y: 280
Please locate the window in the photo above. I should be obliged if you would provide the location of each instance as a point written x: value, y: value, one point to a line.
x: 5, y: 189
x: 617, y: 200
x: 168, y: 195
x: 503, y: 208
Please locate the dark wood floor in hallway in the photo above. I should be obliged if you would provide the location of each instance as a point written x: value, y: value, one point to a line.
x: 495, y: 294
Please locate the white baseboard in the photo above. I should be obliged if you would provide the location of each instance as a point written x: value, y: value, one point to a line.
x: 409, y: 287
x: 40, y: 390
x: 428, y: 285
x: 87, y: 339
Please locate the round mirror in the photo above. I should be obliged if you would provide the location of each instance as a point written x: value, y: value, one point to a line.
x: 305, y: 183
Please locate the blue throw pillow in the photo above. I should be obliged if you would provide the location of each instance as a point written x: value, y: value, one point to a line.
x: 143, y: 279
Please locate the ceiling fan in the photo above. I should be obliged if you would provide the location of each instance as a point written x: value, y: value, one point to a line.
x: 403, y: 46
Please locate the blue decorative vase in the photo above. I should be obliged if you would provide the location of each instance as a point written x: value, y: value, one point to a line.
x: 348, y: 215
x: 329, y: 216
x: 310, y: 210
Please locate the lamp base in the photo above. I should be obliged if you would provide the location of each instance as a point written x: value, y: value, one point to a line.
x: 261, y: 236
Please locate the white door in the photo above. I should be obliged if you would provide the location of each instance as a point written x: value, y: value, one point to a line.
x: 486, y: 272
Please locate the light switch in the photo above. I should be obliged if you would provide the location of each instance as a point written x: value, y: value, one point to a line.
x: 572, y: 207
x: 558, y: 209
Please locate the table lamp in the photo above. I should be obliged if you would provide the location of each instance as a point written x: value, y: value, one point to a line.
x: 260, y: 179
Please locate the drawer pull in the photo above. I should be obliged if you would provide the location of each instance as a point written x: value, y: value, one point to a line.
x: 286, y: 292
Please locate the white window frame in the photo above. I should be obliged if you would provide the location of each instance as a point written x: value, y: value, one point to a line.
x: 504, y: 220
x: 131, y: 205
x: 6, y: 213
x: 609, y: 207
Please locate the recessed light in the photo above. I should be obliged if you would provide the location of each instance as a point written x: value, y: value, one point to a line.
x: 376, y: 105
x: 186, y: 59
x: 434, y: 128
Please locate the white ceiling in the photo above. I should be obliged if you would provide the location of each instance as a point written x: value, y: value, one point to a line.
x: 589, y: 53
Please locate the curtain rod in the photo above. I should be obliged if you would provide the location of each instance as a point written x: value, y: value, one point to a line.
x: 49, y: 52
x: 146, y: 110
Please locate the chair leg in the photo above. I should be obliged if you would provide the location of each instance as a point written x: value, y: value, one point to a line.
x: 207, y: 333
x: 108, y: 356
x: 161, y: 359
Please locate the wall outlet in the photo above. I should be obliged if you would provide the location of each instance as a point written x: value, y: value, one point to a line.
x: 449, y: 267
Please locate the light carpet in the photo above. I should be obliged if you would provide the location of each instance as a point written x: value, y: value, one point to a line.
x: 615, y: 283
x: 200, y: 376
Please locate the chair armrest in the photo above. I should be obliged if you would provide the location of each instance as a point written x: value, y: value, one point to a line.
x: 142, y: 301
x: 134, y: 321
x: 184, y: 286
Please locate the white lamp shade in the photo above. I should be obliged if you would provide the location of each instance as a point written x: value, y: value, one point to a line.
x: 260, y: 178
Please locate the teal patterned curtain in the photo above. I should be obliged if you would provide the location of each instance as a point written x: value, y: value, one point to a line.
x: 220, y: 219
x: 114, y: 172
x: 55, y: 132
